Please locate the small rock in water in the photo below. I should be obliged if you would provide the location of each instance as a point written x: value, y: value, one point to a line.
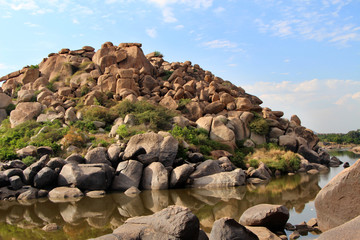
x: 290, y: 227
x: 295, y: 235
x: 96, y: 194
x: 346, y: 165
x: 312, y: 222
x: 132, y: 191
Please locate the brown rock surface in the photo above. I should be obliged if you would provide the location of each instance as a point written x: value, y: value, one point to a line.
x: 339, y: 201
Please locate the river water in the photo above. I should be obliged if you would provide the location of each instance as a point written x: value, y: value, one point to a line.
x: 92, y: 217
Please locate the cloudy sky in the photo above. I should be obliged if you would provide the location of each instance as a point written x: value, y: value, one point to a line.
x: 298, y: 56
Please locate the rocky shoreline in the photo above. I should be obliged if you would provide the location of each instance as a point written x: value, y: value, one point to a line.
x: 74, y: 92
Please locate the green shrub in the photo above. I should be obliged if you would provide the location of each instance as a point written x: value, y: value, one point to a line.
x: 100, y: 143
x: 276, y: 159
x: 199, y: 138
x: 49, y: 134
x: 85, y: 125
x: 29, y: 160
x: 84, y: 90
x: 16, y: 90
x: 29, y: 132
x: 153, y: 117
x: 9, y: 108
x: 182, y: 104
x: 259, y: 125
x: 157, y: 54
x: 99, y: 113
x: 126, y: 132
x: 34, y: 66
x: 166, y: 75
x: 254, y: 163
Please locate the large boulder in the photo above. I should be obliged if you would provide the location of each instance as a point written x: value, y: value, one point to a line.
x: 86, y: 176
x: 24, y: 111
x: 309, y: 154
x: 273, y: 217
x: 128, y: 174
x: 60, y: 194
x: 206, y: 168
x: 173, y: 222
x: 180, y: 175
x: 5, y: 100
x: 97, y: 155
x: 46, y: 177
x: 30, y: 75
x: 155, y: 176
x: 162, y: 147
x: 289, y: 142
x: 228, y: 229
x: 33, y: 169
x: 339, y: 201
x: 221, y: 180
x: 220, y: 132
x: 347, y: 231
x: 136, y: 59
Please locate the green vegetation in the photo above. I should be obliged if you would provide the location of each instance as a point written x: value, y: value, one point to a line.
x: 51, y: 85
x: 29, y: 160
x: 166, y: 74
x: 98, y: 113
x: 126, y: 132
x: 275, y: 158
x: 16, y: 90
x: 153, y: 117
x: 9, y: 108
x: 340, y: 138
x: 29, y: 133
x: 182, y: 104
x: 259, y: 125
x: 157, y: 54
x: 199, y: 138
x: 34, y: 66
x: 84, y: 125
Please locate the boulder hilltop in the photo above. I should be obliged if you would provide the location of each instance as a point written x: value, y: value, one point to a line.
x: 89, y: 112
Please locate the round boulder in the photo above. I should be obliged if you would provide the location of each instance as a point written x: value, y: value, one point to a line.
x: 273, y: 217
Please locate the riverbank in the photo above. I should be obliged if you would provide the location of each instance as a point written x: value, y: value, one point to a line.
x: 91, y: 217
x: 344, y: 147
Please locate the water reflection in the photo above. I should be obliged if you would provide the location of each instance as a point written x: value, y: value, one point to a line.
x: 92, y: 217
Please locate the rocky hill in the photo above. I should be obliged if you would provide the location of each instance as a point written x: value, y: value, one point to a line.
x: 123, y: 117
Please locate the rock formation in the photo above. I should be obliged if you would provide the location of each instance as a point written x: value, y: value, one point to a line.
x: 65, y: 83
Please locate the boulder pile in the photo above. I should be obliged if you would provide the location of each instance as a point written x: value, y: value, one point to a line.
x: 54, y: 89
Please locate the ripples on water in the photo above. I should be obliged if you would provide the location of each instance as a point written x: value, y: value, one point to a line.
x: 91, y: 217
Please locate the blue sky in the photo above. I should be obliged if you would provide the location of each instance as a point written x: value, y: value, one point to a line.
x: 298, y: 56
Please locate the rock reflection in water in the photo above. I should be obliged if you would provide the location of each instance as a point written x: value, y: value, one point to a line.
x: 98, y: 216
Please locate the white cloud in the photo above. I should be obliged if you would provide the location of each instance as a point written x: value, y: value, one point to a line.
x: 287, y: 60
x: 23, y: 5
x: 75, y: 21
x: 167, y: 11
x: 311, y: 20
x: 151, y: 32
x: 219, y: 10
x: 168, y: 15
x: 190, y: 3
x: 178, y: 27
x: 324, y: 105
x: 31, y: 24
x: 220, y: 44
